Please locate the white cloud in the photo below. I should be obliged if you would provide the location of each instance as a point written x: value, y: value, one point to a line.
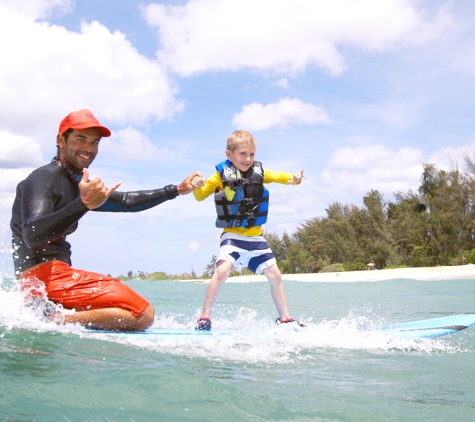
x: 283, y: 37
x: 131, y: 145
x: 9, y: 179
x: 283, y: 83
x: 48, y: 71
x: 361, y: 169
x: 40, y: 8
x: 288, y: 111
x: 374, y: 167
x: 18, y: 151
x: 193, y: 246
x: 448, y: 157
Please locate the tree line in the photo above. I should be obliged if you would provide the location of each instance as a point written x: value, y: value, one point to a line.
x: 428, y: 227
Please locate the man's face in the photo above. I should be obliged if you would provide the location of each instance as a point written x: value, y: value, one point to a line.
x: 242, y: 158
x: 80, y: 149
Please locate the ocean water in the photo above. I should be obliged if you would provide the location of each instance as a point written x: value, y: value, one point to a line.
x: 330, y: 372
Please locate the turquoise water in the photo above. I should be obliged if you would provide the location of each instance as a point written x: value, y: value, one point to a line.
x: 332, y: 373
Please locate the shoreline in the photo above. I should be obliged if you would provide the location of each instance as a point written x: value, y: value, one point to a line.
x: 456, y: 272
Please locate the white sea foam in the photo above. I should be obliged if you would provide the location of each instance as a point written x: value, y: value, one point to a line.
x: 259, y: 341
x: 17, y: 312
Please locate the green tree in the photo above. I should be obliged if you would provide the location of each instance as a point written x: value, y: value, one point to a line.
x: 408, y: 221
x: 209, y: 270
x: 276, y: 244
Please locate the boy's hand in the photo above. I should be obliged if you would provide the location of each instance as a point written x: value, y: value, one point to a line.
x: 198, y: 182
x: 297, y: 178
x: 185, y: 187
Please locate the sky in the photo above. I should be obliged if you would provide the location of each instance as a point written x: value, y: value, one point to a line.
x: 358, y: 93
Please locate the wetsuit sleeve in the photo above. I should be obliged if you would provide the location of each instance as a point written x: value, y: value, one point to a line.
x: 41, y: 224
x: 211, y: 186
x: 271, y: 176
x: 138, y: 200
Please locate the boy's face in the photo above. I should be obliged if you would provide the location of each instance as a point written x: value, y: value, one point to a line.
x: 242, y: 158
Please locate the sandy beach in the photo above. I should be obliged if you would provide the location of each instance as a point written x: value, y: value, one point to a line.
x: 458, y: 272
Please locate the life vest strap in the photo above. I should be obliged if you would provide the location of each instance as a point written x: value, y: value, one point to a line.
x: 244, y: 201
x: 242, y: 216
x: 236, y: 183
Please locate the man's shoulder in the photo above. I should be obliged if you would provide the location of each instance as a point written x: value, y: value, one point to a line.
x: 44, y: 174
x: 53, y: 169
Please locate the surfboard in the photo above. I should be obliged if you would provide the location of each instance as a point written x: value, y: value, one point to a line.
x: 427, y: 328
x: 169, y: 334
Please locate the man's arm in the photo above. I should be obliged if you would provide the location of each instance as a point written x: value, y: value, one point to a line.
x: 145, y: 199
x: 40, y: 223
x: 138, y: 200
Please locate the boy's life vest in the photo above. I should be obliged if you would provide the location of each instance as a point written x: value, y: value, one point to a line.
x: 244, y: 200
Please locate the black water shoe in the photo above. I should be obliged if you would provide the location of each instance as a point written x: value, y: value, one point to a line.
x: 278, y: 321
x: 203, y: 324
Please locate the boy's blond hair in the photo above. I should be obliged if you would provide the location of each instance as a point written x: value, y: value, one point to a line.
x: 240, y: 138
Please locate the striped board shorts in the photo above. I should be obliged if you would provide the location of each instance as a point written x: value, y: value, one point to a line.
x: 252, y: 252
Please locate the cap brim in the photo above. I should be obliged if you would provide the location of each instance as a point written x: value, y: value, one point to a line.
x: 102, y: 129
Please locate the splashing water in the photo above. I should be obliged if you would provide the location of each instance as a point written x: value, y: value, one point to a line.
x: 28, y: 308
x: 255, y: 340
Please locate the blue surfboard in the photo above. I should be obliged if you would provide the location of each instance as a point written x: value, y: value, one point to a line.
x: 170, y: 334
x: 427, y: 328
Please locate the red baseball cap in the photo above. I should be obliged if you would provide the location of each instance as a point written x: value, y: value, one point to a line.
x: 82, y: 119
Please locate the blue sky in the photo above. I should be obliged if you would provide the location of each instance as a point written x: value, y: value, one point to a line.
x: 357, y: 93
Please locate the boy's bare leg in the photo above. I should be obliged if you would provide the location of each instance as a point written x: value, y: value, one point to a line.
x: 220, y: 275
x: 115, y: 319
x: 277, y: 289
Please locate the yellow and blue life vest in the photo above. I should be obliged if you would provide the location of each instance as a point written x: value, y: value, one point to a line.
x: 244, y: 200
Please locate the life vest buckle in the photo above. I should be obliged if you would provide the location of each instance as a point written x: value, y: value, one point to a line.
x: 248, y: 201
x: 239, y: 182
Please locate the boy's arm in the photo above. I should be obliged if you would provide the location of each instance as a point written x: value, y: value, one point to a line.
x: 271, y: 176
x: 210, y: 186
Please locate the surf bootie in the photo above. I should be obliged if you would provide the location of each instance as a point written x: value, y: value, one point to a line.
x: 203, y: 324
x: 279, y: 321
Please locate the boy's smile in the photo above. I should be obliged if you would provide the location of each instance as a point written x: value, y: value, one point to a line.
x: 242, y: 157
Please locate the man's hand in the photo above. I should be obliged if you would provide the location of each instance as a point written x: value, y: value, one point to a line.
x: 94, y: 193
x: 297, y: 178
x: 185, y: 187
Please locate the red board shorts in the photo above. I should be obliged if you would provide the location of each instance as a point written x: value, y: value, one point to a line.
x: 79, y: 289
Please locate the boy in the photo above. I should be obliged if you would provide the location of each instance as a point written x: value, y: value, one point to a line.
x: 241, y: 204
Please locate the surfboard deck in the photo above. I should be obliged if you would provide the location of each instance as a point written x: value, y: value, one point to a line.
x: 427, y: 328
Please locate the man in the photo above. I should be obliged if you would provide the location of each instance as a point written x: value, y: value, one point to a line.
x: 47, y: 207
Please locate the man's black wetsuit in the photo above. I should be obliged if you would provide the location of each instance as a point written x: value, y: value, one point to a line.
x: 47, y: 208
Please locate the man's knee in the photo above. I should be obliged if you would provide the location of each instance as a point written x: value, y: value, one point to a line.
x: 146, y: 319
